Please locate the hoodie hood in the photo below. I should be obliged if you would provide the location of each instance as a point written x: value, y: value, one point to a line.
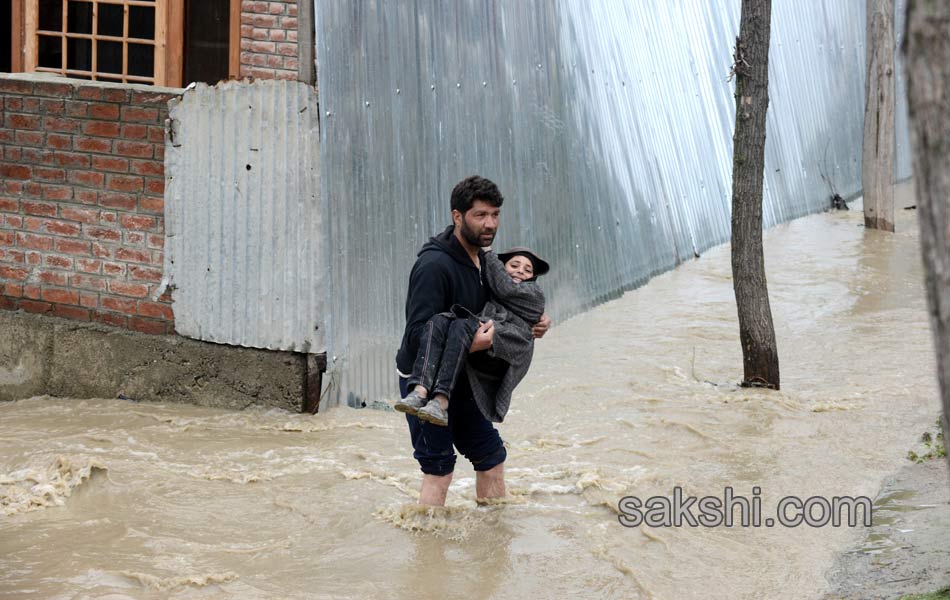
x: 448, y: 243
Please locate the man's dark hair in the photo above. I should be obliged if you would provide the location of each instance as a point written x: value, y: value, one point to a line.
x: 475, y: 188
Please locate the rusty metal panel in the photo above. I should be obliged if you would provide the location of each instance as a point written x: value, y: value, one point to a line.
x: 607, y: 125
x: 244, y: 238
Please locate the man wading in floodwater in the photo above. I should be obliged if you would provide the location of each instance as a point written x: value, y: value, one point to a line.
x: 448, y: 272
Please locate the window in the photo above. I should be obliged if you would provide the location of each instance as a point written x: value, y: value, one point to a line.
x: 128, y: 41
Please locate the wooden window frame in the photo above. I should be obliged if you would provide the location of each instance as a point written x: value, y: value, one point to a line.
x: 169, y: 39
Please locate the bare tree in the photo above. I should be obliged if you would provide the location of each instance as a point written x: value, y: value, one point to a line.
x: 878, y: 157
x: 751, y: 69
x: 928, y: 94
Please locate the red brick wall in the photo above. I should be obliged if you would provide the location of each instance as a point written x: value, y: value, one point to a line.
x: 269, y: 39
x: 81, y: 201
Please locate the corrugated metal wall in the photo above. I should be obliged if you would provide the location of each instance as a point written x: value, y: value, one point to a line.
x: 244, y: 223
x: 607, y: 125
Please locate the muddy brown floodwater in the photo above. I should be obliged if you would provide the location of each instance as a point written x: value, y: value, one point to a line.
x: 111, y: 499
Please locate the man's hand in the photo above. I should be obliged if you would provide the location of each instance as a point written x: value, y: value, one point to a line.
x: 542, y: 326
x: 483, y: 337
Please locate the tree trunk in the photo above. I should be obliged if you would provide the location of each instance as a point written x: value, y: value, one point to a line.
x: 877, y: 163
x: 756, y: 333
x: 928, y: 95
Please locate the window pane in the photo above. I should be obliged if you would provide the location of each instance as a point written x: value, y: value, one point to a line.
x: 79, y: 18
x: 142, y: 22
x: 79, y: 54
x: 109, y: 57
x: 107, y: 78
x: 207, y: 34
x: 50, y: 50
x: 51, y: 15
x: 141, y: 60
x: 110, y: 19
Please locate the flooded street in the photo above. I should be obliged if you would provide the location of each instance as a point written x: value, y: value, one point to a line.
x: 112, y: 499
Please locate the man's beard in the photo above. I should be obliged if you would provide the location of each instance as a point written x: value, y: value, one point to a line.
x: 473, y: 238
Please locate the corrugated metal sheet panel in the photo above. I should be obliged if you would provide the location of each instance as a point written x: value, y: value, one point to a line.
x: 607, y: 125
x: 244, y: 222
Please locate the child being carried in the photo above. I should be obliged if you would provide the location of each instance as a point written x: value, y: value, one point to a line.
x: 516, y: 304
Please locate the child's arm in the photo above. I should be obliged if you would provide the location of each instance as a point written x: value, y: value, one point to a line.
x: 524, y: 299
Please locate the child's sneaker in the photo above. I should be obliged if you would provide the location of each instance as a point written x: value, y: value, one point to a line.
x: 434, y: 413
x: 411, y: 403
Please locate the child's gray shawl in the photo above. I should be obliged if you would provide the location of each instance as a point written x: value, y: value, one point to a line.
x: 514, y: 308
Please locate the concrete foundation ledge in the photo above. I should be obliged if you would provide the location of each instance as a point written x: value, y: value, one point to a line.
x: 47, y: 355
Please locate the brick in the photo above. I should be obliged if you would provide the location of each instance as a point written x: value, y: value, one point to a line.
x: 7, y: 303
x: 147, y: 325
x: 32, y: 292
x: 52, y: 107
x: 87, y: 196
x: 88, y: 265
x: 61, y: 296
x: 57, y: 192
x: 115, y: 95
x: 152, y: 204
x: 13, y: 221
x: 134, y: 132
x: 53, y: 278
x: 73, y: 247
x: 145, y: 274
x: 113, y: 268
x: 109, y: 218
x: 14, y: 86
x: 91, y: 144
x: 265, y: 21
x: 29, y: 138
x: 32, y: 223
x: 41, y: 209
x: 15, y: 121
x: 122, y: 288
x: 31, y: 189
x: 87, y: 178
x: 13, y: 289
x: 139, y: 115
x: 277, y: 35
x: 9, y: 205
x: 34, y: 258
x: 156, y: 134
x: 262, y: 47
x: 59, y: 262
x: 89, y: 92
x: 14, y: 273
x: 292, y: 9
x: 287, y: 49
x: 133, y: 255
x: 54, y: 89
x: 288, y: 23
x: 60, y: 125
x: 102, y: 251
x: 158, y: 98
x: 148, y: 167
x: 71, y: 312
x: 77, y: 109
x: 292, y: 36
x: 71, y: 159
x: 59, y: 142
x: 290, y: 63
x: 36, y: 242
x: 104, y: 111
x: 15, y: 171
x: 88, y: 282
x: 12, y: 153
x: 47, y: 174
x: 133, y: 238
x: 101, y: 233
x: 159, y: 152
x: 276, y: 8
x: 63, y: 228
x: 275, y: 62
x: 125, y: 183
x: 155, y: 186
x: 155, y: 310
x: 110, y: 319
x: 109, y: 163
x: 138, y: 222
x: 122, y: 305
x: 7, y: 238
x: 83, y: 215
x: 101, y: 128
x: 116, y: 200
x: 253, y: 7
x: 135, y: 149
x: 257, y: 60
x: 35, y: 307
x: 88, y: 300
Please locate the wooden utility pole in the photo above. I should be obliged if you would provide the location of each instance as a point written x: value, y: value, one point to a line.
x: 751, y: 69
x: 877, y: 162
x: 928, y: 99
